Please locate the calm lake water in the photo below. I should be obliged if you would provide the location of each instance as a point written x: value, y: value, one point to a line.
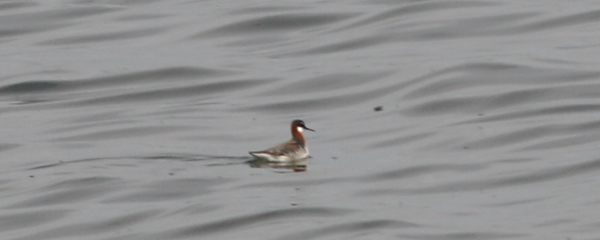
x: 132, y: 119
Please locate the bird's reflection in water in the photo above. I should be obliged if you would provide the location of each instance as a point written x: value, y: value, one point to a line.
x: 297, y: 166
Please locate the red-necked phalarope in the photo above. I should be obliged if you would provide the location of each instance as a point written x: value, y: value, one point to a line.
x: 292, y: 150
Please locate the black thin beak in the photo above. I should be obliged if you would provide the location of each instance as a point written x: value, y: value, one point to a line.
x: 308, y: 129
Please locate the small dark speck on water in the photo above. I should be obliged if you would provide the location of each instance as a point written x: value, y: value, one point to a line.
x: 31, y: 176
x: 378, y: 108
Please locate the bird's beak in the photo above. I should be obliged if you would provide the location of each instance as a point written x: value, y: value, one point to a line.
x: 309, y: 129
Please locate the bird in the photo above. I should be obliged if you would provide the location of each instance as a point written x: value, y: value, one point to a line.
x: 289, y: 151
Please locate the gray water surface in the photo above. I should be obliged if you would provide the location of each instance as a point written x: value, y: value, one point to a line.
x: 434, y: 119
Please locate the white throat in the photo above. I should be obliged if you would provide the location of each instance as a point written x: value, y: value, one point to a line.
x: 299, y: 129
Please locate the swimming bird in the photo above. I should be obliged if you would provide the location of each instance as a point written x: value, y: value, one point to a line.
x: 289, y: 151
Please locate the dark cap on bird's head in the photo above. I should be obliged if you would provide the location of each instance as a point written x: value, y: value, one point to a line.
x: 299, y: 123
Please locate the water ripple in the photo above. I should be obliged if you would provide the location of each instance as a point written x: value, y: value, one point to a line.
x: 238, y: 222
x: 544, y: 175
x: 96, y: 227
x: 280, y: 22
x: 25, y: 219
x: 350, y: 228
x: 69, y: 192
x: 104, y: 37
